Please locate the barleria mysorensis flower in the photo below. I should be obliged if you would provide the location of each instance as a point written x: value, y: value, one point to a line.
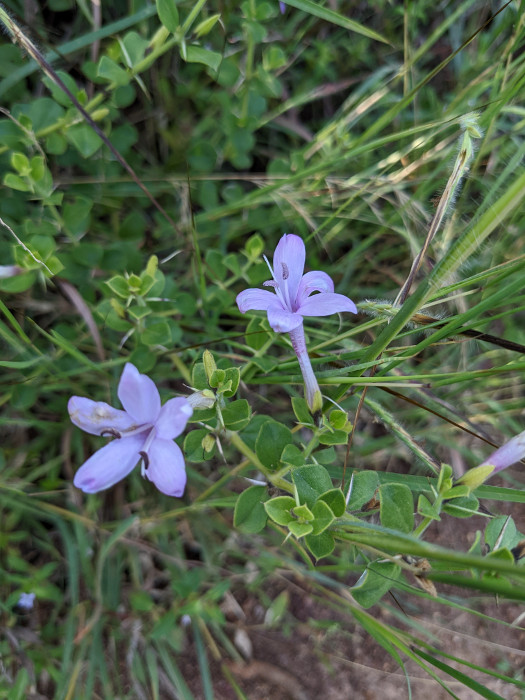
x: 292, y: 300
x: 506, y: 455
x: 142, y: 431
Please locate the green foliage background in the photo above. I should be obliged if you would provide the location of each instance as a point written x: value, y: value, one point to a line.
x: 341, y: 122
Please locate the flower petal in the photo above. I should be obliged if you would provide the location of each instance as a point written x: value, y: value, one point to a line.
x: 509, y: 453
x: 109, y: 465
x: 315, y: 281
x: 325, y: 304
x: 254, y: 300
x: 173, y: 417
x: 166, y: 467
x: 288, y: 265
x: 283, y: 321
x: 97, y: 417
x: 139, y: 395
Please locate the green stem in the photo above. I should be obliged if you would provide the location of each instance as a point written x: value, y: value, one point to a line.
x: 423, y: 525
x: 193, y: 14
x: 223, y: 480
x: 236, y: 440
x: 152, y: 57
x: 314, y: 441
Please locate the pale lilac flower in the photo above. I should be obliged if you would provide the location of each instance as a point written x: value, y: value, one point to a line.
x: 142, y: 431
x: 506, y: 455
x: 509, y: 453
x: 9, y: 271
x: 282, y: 7
x: 292, y: 300
x: 26, y: 601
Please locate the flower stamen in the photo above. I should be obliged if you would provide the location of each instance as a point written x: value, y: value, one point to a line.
x: 110, y: 431
x: 144, y: 452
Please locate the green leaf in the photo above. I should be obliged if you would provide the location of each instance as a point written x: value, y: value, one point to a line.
x: 303, y: 512
x: 310, y: 482
x: 134, y: 284
x: 11, y: 135
x: 76, y: 216
x: 111, y: 71
x: 337, y: 437
x: 168, y: 14
x: 254, y: 247
x: 17, y: 284
x: 339, y: 420
x: 206, y: 25
x: 456, y: 492
x: 15, y: 182
x: 84, y: 139
x: 233, y: 263
x: 119, y: 286
x: 135, y: 47
x: 462, y: 507
x: 292, y: 455
x: 237, y: 414
x: 139, y: 312
x: 277, y: 609
x: 199, y: 380
x: 256, y: 335
x: 55, y: 144
x: 159, y: 333
x: 152, y: 266
x: 58, y: 94
x: 232, y: 375
x: 503, y: 554
x: 274, y: 58
x: 216, y: 377
x: 141, y: 601
x: 300, y: 529
x: 397, y: 507
x: 335, y: 499
x: 320, y: 545
x: 20, y: 163
x: 323, y: 517
x: 301, y: 410
x: 196, y: 54
x: 378, y: 579
x: 279, y: 509
x: 427, y: 509
x: 271, y: 441
x: 501, y: 532
x: 445, y: 478
x: 44, y: 245
x: 249, y: 514
x: 201, y: 156
x: 318, y: 10
x: 264, y: 10
x: 195, y: 446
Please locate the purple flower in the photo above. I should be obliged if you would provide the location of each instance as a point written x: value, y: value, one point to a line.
x: 509, y: 453
x: 26, y: 601
x: 143, y: 430
x: 282, y: 7
x: 292, y: 300
x: 9, y: 271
